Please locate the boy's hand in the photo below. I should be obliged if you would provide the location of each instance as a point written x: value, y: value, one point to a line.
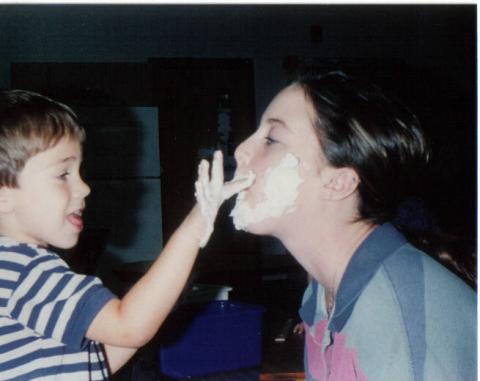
x: 211, y: 192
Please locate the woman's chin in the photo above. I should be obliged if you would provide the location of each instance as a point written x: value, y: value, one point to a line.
x: 257, y: 219
x: 263, y: 228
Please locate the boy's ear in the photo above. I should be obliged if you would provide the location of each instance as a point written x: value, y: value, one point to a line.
x: 340, y: 183
x: 6, y: 200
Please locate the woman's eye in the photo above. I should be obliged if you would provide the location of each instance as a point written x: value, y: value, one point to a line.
x: 270, y: 141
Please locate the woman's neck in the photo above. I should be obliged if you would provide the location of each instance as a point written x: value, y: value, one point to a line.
x: 325, y: 251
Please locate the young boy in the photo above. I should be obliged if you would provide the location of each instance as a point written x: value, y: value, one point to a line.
x: 56, y: 324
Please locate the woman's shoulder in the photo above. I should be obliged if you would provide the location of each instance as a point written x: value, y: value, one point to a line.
x: 410, y: 266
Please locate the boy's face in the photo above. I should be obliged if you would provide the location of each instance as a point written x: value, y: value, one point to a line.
x: 47, y: 206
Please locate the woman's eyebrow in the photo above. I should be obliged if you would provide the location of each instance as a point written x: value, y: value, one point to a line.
x: 277, y: 121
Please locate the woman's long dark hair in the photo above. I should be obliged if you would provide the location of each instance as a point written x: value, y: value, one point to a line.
x: 359, y: 127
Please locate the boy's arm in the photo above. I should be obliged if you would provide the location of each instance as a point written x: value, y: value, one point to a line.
x: 118, y: 356
x: 132, y: 321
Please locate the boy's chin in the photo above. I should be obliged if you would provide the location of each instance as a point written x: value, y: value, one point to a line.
x: 66, y: 244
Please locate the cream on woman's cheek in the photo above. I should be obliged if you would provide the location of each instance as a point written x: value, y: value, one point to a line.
x: 280, y: 191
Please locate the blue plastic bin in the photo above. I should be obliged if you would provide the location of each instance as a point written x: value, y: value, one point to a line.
x: 201, y: 339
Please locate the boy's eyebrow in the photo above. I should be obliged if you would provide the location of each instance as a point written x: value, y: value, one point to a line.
x: 64, y: 160
x: 69, y: 158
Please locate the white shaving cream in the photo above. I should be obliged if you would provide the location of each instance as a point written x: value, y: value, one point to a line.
x: 280, y: 191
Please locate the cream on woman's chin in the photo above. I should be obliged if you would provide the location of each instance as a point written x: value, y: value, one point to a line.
x: 280, y: 191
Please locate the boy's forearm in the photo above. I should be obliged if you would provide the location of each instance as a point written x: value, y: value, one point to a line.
x: 134, y: 320
x: 149, y: 302
x: 117, y: 357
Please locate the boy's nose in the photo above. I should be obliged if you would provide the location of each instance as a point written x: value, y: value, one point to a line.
x: 82, y: 190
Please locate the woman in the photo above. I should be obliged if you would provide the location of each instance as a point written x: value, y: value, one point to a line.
x: 333, y: 157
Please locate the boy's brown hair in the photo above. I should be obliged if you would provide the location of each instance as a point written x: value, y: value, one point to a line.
x: 31, y: 123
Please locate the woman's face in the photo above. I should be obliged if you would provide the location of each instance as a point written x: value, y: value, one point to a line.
x: 285, y: 155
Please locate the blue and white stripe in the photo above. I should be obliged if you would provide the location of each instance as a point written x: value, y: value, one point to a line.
x: 45, y: 311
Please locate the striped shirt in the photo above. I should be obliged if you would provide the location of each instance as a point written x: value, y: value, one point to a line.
x: 45, y: 311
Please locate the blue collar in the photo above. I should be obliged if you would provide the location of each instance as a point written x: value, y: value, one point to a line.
x: 366, y: 260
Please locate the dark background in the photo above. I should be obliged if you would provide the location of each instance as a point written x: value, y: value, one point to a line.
x: 184, y: 59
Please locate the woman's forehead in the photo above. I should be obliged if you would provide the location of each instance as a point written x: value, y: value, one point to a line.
x: 291, y: 109
x: 291, y: 96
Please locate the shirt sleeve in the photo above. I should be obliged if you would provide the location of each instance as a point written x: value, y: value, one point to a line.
x: 54, y: 301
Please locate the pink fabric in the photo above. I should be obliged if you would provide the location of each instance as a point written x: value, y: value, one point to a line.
x: 337, y: 362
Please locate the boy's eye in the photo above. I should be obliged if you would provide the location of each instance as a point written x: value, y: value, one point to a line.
x: 64, y: 175
x: 270, y: 141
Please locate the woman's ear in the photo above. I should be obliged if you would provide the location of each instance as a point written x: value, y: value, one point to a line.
x: 6, y: 200
x: 340, y: 183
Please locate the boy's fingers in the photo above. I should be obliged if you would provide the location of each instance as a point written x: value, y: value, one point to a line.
x: 237, y: 185
x: 202, y: 173
x: 210, y: 191
x: 203, y: 177
x: 217, y: 172
x: 199, y: 191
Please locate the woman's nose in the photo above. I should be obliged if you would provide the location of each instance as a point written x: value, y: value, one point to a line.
x: 243, y: 154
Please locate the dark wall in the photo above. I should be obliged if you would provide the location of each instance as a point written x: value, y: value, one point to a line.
x: 425, y: 53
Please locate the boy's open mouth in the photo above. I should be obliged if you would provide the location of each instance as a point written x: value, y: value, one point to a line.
x: 76, y: 219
